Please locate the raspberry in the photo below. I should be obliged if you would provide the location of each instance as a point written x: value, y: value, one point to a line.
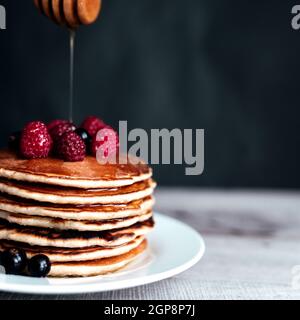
x: 92, y: 125
x: 70, y: 147
x: 107, y: 141
x: 60, y: 129
x: 35, y: 141
x: 54, y: 123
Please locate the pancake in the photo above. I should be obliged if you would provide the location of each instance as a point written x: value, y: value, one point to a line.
x: 96, y: 267
x: 62, y: 224
x: 67, y: 255
x: 71, y: 238
x: 62, y: 195
x: 89, y: 219
x: 88, y: 174
x: 77, y: 212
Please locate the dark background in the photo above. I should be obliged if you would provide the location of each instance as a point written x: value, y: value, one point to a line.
x: 230, y: 67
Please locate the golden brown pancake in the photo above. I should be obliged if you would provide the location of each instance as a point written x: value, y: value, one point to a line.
x: 72, y: 238
x: 86, y: 174
x: 63, y: 195
x: 75, y: 212
x: 96, y: 267
x: 63, y: 224
x: 67, y: 255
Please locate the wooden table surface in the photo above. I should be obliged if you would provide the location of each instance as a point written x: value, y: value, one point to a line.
x: 252, y: 244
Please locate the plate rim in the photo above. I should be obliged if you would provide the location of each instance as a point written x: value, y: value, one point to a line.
x: 65, y: 289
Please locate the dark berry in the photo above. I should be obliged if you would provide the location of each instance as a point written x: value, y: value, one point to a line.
x: 92, y: 125
x: 71, y: 147
x: 14, y: 261
x: 84, y: 135
x: 39, y: 266
x: 35, y: 141
x: 14, y: 140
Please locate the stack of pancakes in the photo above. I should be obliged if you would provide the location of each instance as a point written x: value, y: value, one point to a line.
x: 89, y: 219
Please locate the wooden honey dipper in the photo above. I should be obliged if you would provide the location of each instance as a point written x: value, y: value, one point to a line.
x: 70, y: 13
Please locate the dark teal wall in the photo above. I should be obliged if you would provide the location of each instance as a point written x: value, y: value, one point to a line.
x: 230, y: 67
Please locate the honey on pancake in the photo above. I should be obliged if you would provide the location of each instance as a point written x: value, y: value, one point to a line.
x: 63, y: 191
x: 89, y: 171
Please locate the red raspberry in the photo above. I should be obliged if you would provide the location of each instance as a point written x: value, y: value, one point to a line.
x: 70, y: 147
x: 54, y: 123
x: 35, y: 141
x: 107, y: 141
x: 60, y: 129
x: 92, y: 125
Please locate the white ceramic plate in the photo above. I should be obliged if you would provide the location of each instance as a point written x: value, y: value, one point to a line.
x: 173, y: 248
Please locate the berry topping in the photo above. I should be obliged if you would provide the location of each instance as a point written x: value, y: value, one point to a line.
x: 92, y: 125
x: 71, y: 147
x: 84, y: 135
x: 35, y: 141
x: 14, y: 261
x: 105, y: 143
x: 54, y: 123
x: 60, y: 129
x: 14, y: 140
x: 39, y: 266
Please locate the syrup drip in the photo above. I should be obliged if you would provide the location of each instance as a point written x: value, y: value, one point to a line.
x: 71, y: 93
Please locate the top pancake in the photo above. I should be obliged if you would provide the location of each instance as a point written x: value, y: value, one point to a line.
x: 87, y: 174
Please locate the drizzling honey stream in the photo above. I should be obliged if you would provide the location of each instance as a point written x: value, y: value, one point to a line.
x: 70, y: 14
